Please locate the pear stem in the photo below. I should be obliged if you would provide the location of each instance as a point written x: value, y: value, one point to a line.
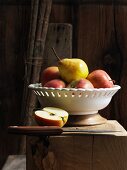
x: 56, y: 54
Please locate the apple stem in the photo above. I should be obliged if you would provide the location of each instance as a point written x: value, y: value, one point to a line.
x: 113, y: 81
x: 56, y: 54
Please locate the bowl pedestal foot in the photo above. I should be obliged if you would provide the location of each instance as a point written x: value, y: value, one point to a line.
x: 85, y: 120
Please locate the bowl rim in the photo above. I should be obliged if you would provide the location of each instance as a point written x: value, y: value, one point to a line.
x: 38, y: 86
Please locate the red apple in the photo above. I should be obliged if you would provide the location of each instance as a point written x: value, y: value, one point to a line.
x: 81, y: 83
x: 51, y: 116
x: 100, y: 79
x: 56, y: 83
x: 48, y: 74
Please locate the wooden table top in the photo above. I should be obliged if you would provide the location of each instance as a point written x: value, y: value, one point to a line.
x: 111, y: 127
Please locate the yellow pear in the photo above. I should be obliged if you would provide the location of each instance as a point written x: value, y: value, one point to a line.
x: 72, y: 69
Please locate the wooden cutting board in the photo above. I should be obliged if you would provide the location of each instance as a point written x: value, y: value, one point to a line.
x: 111, y: 127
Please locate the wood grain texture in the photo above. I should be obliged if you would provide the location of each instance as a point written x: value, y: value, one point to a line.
x: 95, y: 36
x: 111, y: 127
x: 12, y: 54
x: 99, y: 36
x: 90, y: 1
x: 36, y: 149
x: 121, y: 35
x: 67, y: 156
x: 27, y: 2
x: 74, y: 152
x: 59, y: 37
x: 97, y: 44
x: 61, y: 13
x: 15, y: 162
x: 40, y: 13
x: 109, y: 153
x: 37, y: 37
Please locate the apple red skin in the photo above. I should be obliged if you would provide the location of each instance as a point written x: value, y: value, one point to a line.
x: 100, y: 79
x: 48, y: 74
x: 82, y: 83
x: 56, y: 83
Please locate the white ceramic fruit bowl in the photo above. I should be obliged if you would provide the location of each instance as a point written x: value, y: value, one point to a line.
x: 75, y: 101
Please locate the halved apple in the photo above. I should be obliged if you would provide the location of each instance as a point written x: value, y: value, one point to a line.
x: 51, y: 116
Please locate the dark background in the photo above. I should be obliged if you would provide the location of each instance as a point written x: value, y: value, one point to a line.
x: 99, y: 37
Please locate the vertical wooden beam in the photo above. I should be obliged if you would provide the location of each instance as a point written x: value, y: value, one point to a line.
x: 59, y: 36
x: 40, y: 13
x: 38, y: 31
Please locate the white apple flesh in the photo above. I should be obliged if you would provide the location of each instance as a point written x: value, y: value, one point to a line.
x: 51, y: 116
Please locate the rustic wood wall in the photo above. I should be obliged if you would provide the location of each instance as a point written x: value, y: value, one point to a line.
x: 99, y: 37
x: 13, y: 45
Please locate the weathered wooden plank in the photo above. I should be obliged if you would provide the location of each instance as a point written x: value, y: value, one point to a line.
x: 111, y: 127
x: 96, y: 43
x: 27, y: 2
x: 109, y: 153
x: 79, y: 150
x: 13, y: 45
x: 95, y: 35
x: 95, y: 19
x: 40, y: 13
x: 59, y: 36
x: 61, y: 153
x: 15, y: 162
x: 70, y: 150
x: 121, y: 38
x: 92, y: 1
x: 38, y: 31
x: 64, y: 11
x: 15, y: 2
